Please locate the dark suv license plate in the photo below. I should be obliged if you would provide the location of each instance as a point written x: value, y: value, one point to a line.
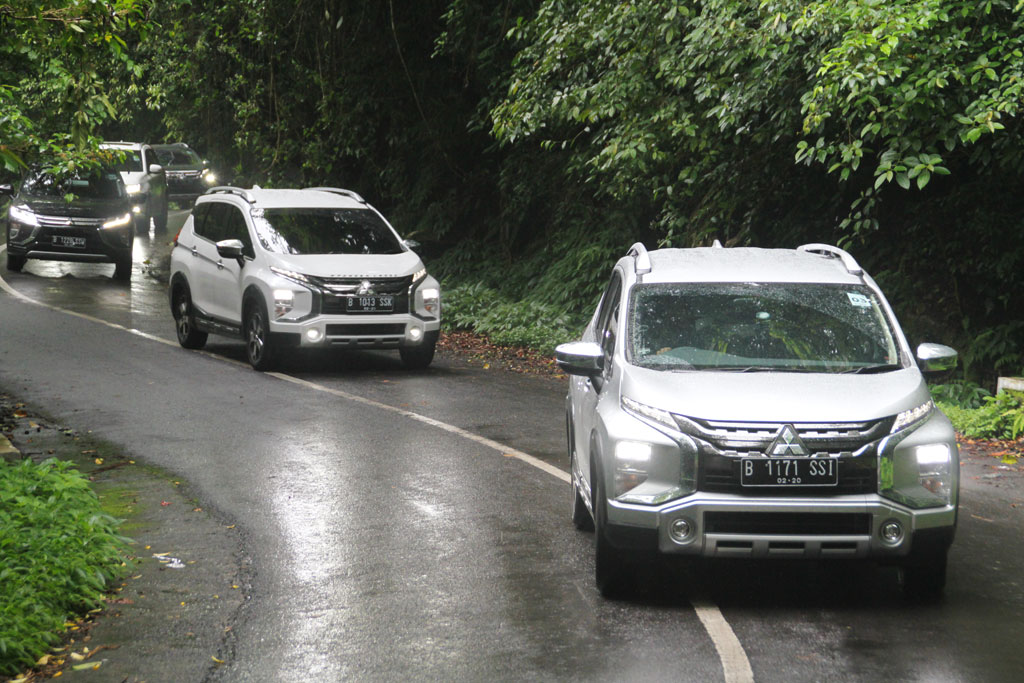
x: 379, y: 303
x: 789, y: 472
x: 66, y: 241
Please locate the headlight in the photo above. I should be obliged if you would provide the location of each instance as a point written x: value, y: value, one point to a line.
x: 284, y: 302
x: 293, y: 276
x: 935, y: 470
x: 133, y: 188
x: 22, y: 215
x: 118, y: 222
x: 662, y: 417
x: 209, y: 177
x: 631, y: 462
x: 912, y: 416
x: 419, y: 275
x: 431, y: 300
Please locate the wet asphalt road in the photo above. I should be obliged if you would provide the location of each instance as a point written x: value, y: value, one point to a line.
x: 386, y: 548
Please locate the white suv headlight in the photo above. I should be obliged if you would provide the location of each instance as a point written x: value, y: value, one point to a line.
x: 133, y: 188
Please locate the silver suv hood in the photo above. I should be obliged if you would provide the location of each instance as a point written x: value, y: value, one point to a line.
x: 350, y: 265
x: 776, y: 396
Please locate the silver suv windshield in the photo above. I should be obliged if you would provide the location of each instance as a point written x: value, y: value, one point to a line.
x: 746, y: 327
x: 324, y: 231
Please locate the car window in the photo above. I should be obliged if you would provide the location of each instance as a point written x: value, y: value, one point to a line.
x: 236, y: 229
x: 126, y: 160
x: 609, y: 320
x: 177, y: 156
x: 324, y: 231
x: 103, y: 184
x: 799, y: 327
x: 200, y: 216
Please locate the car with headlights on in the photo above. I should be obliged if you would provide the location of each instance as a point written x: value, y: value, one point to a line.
x: 144, y: 179
x: 757, y: 404
x: 188, y: 174
x: 284, y: 269
x: 84, y: 217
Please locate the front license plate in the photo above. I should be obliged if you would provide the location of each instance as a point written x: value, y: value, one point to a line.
x: 789, y: 472
x: 376, y: 303
x: 66, y: 241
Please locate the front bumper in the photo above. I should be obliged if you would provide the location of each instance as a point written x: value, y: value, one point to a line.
x: 724, y: 525
x: 52, y: 243
x: 388, y: 331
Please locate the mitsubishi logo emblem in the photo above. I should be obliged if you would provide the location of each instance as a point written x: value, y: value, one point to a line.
x: 787, y: 443
x: 365, y: 287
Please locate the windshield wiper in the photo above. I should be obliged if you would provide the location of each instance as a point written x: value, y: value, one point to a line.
x: 873, y: 369
x: 745, y: 368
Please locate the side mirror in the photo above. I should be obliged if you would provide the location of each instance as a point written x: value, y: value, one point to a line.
x: 936, y: 359
x: 156, y: 169
x: 580, y: 358
x: 232, y: 249
x: 6, y: 190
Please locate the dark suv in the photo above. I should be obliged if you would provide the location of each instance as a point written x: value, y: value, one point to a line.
x: 83, y: 217
x: 188, y: 175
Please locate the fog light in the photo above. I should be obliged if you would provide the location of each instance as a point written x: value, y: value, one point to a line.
x: 414, y: 334
x: 892, y: 532
x: 680, y: 530
x: 314, y: 335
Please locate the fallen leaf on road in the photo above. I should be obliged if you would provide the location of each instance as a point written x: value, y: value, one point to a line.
x: 164, y: 503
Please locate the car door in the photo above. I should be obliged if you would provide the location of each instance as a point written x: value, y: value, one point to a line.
x: 227, y: 274
x: 588, y: 392
x: 212, y: 226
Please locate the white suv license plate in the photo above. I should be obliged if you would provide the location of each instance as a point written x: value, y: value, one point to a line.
x: 379, y: 303
x: 66, y: 241
x: 789, y: 472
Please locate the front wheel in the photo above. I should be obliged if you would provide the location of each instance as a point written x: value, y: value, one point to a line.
x: 188, y: 336
x: 923, y: 575
x: 609, y: 562
x: 418, y: 357
x: 15, y: 263
x: 123, y: 269
x: 258, y: 347
x: 160, y: 219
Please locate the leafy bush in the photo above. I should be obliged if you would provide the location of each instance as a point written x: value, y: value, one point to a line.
x: 960, y: 393
x: 999, y: 417
x: 511, y: 323
x: 58, y: 553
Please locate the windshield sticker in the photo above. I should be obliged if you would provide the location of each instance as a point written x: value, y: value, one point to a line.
x: 859, y: 300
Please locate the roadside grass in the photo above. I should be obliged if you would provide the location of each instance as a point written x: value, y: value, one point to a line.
x: 60, y: 550
x: 979, y: 415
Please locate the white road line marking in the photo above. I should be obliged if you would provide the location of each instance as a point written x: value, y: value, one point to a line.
x: 735, y: 665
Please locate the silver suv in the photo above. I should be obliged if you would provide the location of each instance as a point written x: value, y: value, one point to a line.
x: 757, y: 403
x: 312, y: 268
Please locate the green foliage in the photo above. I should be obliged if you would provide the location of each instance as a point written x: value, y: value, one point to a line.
x: 998, y: 417
x: 508, y: 323
x: 960, y: 393
x: 58, y: 554
x: 60, y: 65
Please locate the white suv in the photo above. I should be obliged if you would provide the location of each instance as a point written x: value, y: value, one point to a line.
x: 293, y: 268
x: 145, y: 181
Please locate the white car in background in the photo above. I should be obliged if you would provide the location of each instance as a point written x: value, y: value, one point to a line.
x: 311, y: 268
x: 145, y: 180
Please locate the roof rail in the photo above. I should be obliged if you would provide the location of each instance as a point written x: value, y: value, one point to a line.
x: 337, y: 190
x: 834, y: 252
x: 641, y: 259
x: 228, y: 189
x: 716, y: 244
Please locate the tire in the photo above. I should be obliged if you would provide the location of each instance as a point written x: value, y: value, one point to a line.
x: 188, y: 336
x: 160, y: 219
x: 258, y: 346
x: 609, y: 562
x: 418, y: 357
x: 923, y: 575
x: 15, y: 263
x: 142, y: 221
x: 123, y: 270
x: 581, y: 518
